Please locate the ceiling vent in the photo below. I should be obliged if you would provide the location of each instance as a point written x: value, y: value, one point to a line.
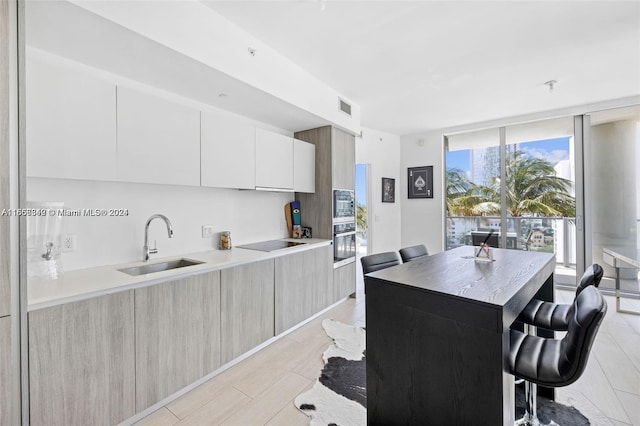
x: 345, y: 107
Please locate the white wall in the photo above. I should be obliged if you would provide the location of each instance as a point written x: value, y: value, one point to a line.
x: 423, y: 219
x: 382, y: 151
x: 251, y: 216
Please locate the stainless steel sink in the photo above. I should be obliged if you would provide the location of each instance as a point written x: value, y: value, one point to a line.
x: 159, y: 267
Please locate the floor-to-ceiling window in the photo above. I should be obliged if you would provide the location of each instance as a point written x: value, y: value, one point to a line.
x: 517, y: 182
x: 472, y: 179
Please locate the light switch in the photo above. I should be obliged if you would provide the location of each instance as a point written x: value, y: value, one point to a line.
x: 207, y: 231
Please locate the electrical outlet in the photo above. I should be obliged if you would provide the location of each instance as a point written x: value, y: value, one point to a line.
x: 69, y: 243
x: 207, y: 231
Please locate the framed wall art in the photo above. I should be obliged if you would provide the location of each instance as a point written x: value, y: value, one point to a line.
x: 388, y: 190
x: 420, y: 181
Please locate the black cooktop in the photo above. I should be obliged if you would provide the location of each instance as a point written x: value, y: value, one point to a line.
x: 271, y: 245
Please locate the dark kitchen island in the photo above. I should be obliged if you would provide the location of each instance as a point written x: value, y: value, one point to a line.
x: 438, y: 335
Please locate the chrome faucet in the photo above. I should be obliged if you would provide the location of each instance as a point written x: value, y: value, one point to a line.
x: 146, y: 251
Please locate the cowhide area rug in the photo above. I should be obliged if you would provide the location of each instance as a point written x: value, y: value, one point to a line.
x: 339, y: 396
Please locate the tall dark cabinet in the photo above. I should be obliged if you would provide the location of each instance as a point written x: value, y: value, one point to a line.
x: 335, y: 169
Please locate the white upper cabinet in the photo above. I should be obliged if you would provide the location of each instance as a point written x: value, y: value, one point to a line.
x: 80, y: 126
x: 274, y: 160
x: 71, y: 123
x: 158, y: 140
x: 228, y: 151
x: 304, y: 166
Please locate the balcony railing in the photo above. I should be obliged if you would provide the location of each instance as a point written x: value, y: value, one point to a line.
x: 547, y: 234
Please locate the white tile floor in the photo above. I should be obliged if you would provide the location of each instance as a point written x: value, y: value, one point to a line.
x: 260, y: 390
x: 608, y: 392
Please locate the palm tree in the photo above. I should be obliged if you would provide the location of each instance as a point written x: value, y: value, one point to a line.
x: 531, y: 187
x: 361, y: 219
x: 458, y: 186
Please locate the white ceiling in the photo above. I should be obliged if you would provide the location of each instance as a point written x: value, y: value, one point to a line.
x: 414, y: 66
x: 55, y: 26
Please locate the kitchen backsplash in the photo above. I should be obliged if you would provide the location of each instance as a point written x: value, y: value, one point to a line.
x: 118, y: 236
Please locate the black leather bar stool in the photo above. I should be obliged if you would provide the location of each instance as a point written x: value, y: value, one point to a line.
x: 414, y: 252
x: 375, y: 262
x: 555, y: 316
x: 556, y: 362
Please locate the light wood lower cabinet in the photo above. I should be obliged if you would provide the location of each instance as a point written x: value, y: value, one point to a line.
x: 303, y: 285
x: 102, y: 360
x: 81, y: 362
x: 177, y: 335
x: 247, y: 307
x: 5, y: 371
x: 344, y: 281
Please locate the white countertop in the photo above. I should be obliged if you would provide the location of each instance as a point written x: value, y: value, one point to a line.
x: 84, y: 284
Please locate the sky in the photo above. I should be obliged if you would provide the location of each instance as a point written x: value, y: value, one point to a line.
x: 552, y: 150
x: 361, y: 184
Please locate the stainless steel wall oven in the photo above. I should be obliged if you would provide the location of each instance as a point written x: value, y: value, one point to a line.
x: 344, y: 227
x: 344, y: 243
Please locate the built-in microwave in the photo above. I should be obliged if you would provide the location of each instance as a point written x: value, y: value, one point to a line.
x: 344, y: 208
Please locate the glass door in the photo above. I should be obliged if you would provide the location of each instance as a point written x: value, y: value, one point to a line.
x: 540, y: 191
x: 362, y: 215
x: 612, y: 185
x: 362, y: 219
